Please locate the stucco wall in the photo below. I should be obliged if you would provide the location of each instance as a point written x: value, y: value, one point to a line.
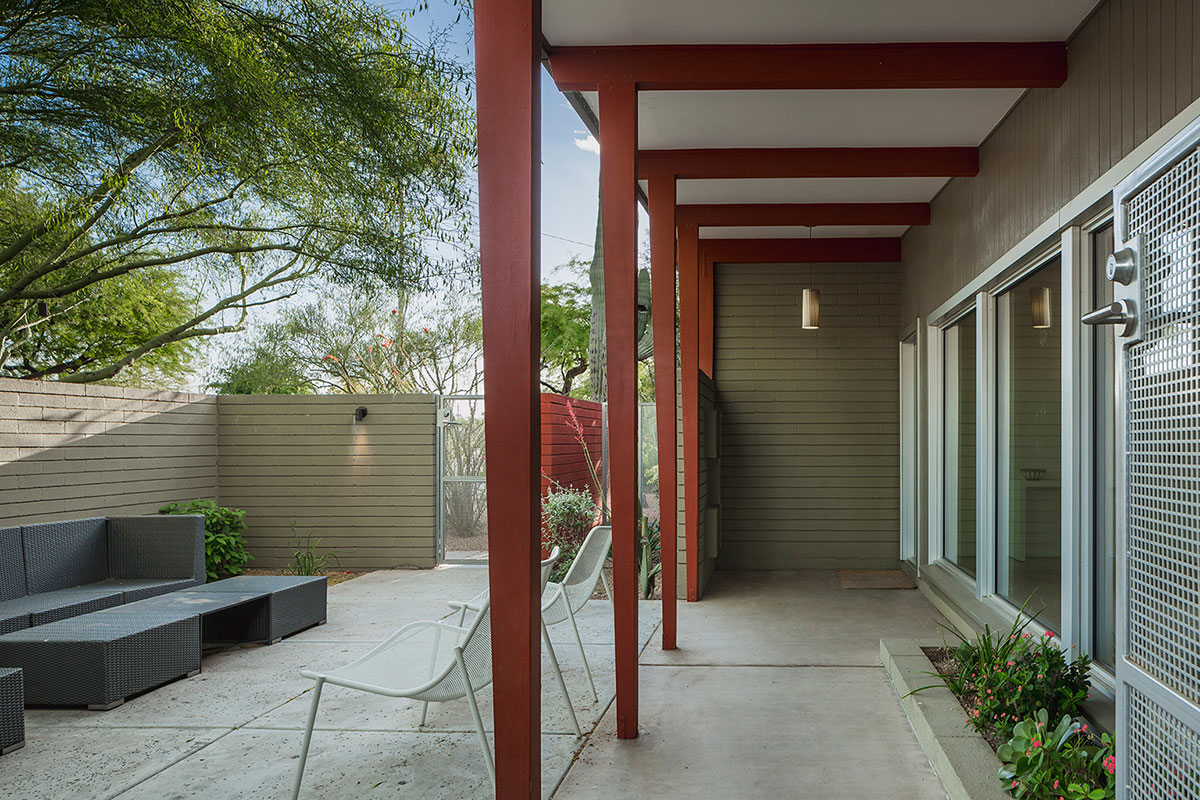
x: 810, y: 421
x: 1131, y: 67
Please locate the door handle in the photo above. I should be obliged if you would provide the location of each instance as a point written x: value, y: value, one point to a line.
x: 1121, y: 313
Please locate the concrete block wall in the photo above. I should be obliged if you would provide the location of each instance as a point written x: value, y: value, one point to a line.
x: 69, y: 451
x: 810, y: 460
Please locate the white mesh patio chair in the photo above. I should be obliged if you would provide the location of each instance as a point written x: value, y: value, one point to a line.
x: 478, y: 601
x: 433, y: 662
x: 562, y: 601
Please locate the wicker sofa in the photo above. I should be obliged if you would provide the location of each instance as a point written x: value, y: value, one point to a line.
x: 95, y: 611
x: 53, y: 571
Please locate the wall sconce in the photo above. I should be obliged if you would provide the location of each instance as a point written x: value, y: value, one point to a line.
x: 1040, y: 306
x: 810, y: 309
x: 360, y: 413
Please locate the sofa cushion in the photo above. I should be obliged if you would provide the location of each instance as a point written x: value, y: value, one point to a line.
x: 61, y: 555
x: 156, y: 546
x: 62, y: 604
x: 142, y: 588
x: 12, y: 620
x: 12, y: 564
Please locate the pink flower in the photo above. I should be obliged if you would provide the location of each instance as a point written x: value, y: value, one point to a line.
x: 1056, y: 784
x: 1110, y: 764
x: 1011, y: 663
x: 1037, y: 743
x: 1048, y: 633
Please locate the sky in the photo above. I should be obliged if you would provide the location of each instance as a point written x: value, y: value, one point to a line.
x: 570, y: 156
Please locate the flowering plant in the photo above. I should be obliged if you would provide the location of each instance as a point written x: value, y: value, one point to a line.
x: 1008, y: 677
x: 1057, y: 764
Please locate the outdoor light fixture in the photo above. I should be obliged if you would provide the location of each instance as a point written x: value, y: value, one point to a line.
x: 1040, y: 306
x: 810, y: 302
x: 360, y: 413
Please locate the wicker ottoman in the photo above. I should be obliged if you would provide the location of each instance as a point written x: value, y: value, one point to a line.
x: 296, y: 603
x: 12, y: 710
x: 100, y: 659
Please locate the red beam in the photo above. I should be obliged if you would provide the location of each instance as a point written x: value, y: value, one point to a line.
x: 507, y: 60
x: 689, y: 365
x: 618, y: 199
x: 911, y: 65
x: 812, y: 162
x: 787, y: 251
x: 804, y: 214
x: 661, y: 197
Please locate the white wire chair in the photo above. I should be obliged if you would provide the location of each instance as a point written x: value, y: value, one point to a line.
x: 432, y: 662
x: 478, y: 601
x: 562, y: 601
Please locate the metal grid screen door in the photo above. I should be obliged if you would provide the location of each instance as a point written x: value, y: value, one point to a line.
x: 461, y: 484
x: 1156, y: 272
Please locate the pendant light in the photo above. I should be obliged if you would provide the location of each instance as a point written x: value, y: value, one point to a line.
x: 1039, y: 297
x: 810, y: 302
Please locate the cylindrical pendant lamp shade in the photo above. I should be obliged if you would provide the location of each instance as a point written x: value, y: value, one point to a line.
x: 1040, y: 306
x: 810, y: 309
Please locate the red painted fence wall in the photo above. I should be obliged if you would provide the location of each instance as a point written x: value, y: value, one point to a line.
x: 562, y: 455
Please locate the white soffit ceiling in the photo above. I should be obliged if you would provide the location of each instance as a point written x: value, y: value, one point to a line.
x: 614, y: 22
x: 809, y: 190
x: 864, y: 118
x: 798, y: 232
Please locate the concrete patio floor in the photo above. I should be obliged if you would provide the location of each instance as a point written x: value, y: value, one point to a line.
x: 234, y: 730
x: 776, y: 691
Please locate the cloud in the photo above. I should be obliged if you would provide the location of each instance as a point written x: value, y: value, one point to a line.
x: 589, y: 144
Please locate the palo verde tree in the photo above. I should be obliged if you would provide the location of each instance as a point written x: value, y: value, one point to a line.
x: 241, y: 146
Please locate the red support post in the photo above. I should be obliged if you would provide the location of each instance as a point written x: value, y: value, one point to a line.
x: 689, y: 365
x: 661, y: 198
x: 618, y: 198
x: 508, y: 42
x: 707, y: 321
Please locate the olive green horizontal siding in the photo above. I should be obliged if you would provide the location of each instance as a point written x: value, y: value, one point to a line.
x: 1132, y: 66
x: 366, y: 489
x: 810, y: 419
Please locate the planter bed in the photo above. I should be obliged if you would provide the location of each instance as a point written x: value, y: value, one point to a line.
x: 963, y: 760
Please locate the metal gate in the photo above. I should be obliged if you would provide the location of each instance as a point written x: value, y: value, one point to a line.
x: 1156, y: 275
x: 461, y: 484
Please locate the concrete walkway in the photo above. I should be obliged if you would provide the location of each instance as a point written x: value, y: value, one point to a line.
x: 776, y: 691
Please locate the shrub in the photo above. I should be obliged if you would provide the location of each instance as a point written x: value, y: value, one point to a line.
x: 224, y: 545
x: 1009, y: 677
x: 1044, y: 764
x: 567, y: 515
x: 307, y: 559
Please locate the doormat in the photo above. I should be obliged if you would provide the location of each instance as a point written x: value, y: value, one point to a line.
x: 875, y: 579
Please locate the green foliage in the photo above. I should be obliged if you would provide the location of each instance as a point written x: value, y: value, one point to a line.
x: 1044, y: 764
x: 567, y: 516
x: 224, y: 543
x: 565, y: 318
x: 362, y: 342
x: 307, y: 560
x: 245, y: 145
x: 1010, y: 676
x: 261, y: 369
x: 649, y: 561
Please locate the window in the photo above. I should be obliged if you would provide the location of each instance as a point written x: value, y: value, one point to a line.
x: 1104, y: 487
x: 959, y: 436
x: 1029, y: 433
